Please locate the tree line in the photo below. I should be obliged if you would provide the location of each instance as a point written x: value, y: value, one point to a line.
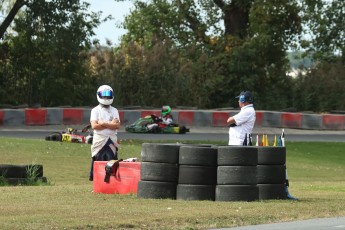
x: 182, y: 53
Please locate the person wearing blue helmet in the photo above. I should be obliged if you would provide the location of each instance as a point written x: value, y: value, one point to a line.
x: 242, y: 124
x: 105, y: 121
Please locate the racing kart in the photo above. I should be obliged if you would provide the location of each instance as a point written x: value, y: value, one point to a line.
x: 72, y: 135
x: 140, y: 126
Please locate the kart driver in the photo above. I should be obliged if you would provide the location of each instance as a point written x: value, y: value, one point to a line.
x: 242, y: 123
x: 105, y: 121
x: 164, y: 120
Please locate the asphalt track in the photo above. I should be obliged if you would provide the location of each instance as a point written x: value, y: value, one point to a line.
x: 216, y: 134
x: 196, y: 134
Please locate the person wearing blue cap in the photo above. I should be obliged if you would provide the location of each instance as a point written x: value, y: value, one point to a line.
x: 242, y: 124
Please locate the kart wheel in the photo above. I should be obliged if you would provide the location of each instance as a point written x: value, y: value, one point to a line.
x: 54, y: 137
x: 156, y: 129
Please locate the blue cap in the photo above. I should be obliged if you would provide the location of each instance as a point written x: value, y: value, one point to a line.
x: 245, y: 96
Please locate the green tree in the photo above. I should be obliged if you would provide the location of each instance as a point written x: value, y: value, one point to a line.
x: 229, y: 45
x: 47, y: 58
x: 325, y: 29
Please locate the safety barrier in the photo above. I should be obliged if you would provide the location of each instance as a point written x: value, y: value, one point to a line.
x: 189, y: 118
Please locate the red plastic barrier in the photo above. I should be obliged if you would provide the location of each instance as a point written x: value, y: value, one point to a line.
x: 150, y: 112
x: 333, y: 122
x: 2, y: 117
x: 219, y: 119
x: 122, y: 116
x: 259, y: 118
x: 72, y: 116
x: 292, y: 120
x: 35, y: 116
x: 186, y: 118
x: 125, y: 181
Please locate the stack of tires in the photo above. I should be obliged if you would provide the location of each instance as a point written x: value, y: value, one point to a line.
x: 21, y: 174
x: 271, y: 172
x: 197, y: 173
x: 159, y: 171
x: 237, y: 174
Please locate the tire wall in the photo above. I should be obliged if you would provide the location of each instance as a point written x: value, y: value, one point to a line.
x: 21, y: 174
x: 159, y: 171
x: 271, y: 173
x: 237, y: 174
x: 197, y: 173
x: 216, y: 173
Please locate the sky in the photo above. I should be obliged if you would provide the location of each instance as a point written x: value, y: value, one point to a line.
x: 118, y: 10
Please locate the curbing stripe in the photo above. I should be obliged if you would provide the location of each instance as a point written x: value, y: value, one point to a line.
x: 335, y: 122
x: 312, y: 121
x: 202, y: 119
x: 186, y: 118
x: 291, y: 120
x: 14, y: 117
x: 35, y: 116
x: 72, y: 116
x: 54, y: 116
x: 189, y: 118
x: 272, y: 119
x: 2, y: 118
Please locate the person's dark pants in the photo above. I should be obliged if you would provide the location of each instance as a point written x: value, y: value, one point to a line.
x: 105, y: 154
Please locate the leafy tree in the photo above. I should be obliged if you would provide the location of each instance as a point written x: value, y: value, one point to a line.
x: 325, y: 29
x: 47, y: 58
x: 229, y: 45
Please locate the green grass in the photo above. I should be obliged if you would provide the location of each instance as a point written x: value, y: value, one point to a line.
x: 315, y: 171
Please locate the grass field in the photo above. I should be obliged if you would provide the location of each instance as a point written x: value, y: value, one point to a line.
x: 316, y: 173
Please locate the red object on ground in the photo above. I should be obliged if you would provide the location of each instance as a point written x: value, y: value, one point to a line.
x: 125, y: 181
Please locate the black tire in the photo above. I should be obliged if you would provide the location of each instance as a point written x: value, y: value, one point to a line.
x: 199, y: 175
x: 20, y: 171
x: 237, y: 155
x: 271, y: 174
x: 198, y: 155
x: 152, y: 171
x: 156, y: 190
x: 237, y: 193
x: 54, y: 137
x: 195, y: 192
x: 23, y: 181
x: 272, y: 192
x: 270, y: 155
x: 236, y: 175
x: 161, y: 153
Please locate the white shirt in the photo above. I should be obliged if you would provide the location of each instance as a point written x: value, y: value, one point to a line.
x: 245, y: 120
x: 106, y: 114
